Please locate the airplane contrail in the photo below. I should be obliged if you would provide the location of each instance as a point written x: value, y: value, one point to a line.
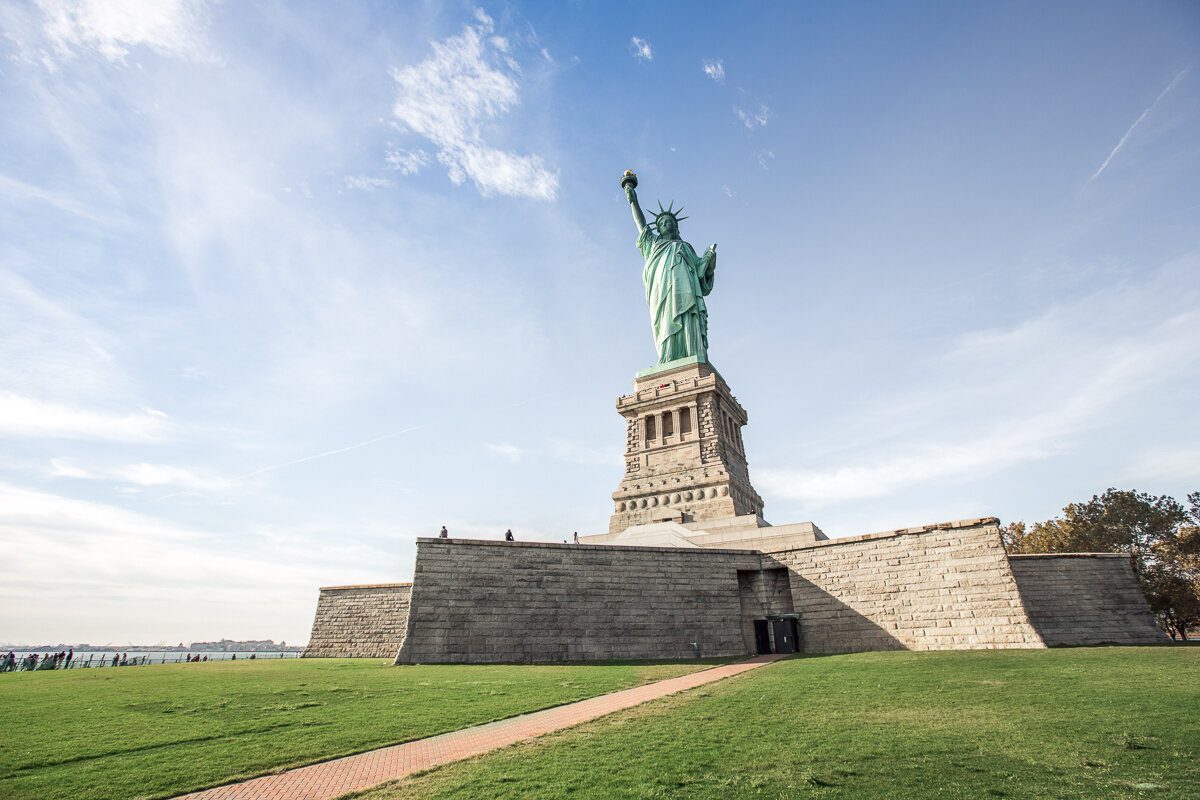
x: 1137, y: 122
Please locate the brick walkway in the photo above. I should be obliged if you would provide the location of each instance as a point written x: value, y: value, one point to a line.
x: 331, y: 779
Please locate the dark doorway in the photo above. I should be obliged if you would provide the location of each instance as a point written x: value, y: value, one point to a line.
x: 785, y: 635
x: 762, y: 638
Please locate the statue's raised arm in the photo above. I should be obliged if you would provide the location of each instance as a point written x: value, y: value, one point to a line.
x: 629, y: 184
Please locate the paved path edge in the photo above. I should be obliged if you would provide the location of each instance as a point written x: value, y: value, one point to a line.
x: 325, y: 780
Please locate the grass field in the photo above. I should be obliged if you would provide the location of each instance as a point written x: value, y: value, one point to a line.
x: 156, y: 731
x: 1079, y: 723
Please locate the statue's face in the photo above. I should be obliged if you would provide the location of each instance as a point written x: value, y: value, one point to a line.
x: 668, y: 227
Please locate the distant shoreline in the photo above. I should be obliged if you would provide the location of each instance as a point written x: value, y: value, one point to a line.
x: 137, y: 648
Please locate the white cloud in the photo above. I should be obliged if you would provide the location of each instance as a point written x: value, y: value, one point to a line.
x: 407, y: 162
x: 366, y: 183
x: 1179, y: 463
x: 448, y: 99
x: 113, y: 27
x: 927, y: 463
x: 107, y: 574
x: 640, y: 49
x: 715, y: 69
x: 755, y: 118
x: 149, y: 475
x: 192, y: 373
x: 577, y: 453
x: 141, y: 475
x: 47, y: 349
x: 25, y: 193
x: 26, y: 417
x: 1020, y: 394
x: 67, y: 468
x: 764, y: 158
x: 508, y: 452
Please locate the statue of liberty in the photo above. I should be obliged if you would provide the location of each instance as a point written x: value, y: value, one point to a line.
x: 675, y: 278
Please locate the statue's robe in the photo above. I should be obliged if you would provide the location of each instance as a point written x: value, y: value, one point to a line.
x: 676, y: 282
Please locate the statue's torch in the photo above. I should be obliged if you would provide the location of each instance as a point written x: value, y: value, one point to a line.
x: 629, y: 179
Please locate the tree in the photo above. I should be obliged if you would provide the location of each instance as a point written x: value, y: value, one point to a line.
x: 1161, y: 536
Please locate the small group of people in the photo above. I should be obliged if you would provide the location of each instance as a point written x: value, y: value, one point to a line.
x: 508, y: 535
x: 32, y: 661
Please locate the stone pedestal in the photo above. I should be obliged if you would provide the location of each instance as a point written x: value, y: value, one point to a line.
x: 684, y: 458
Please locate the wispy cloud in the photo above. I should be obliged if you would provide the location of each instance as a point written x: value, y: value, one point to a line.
x: 449, y: 97
x: 27, y: 417
x: 507, y: 452
x: 169, y: 27
x: 23, y: 192
x: 1043, y: 383
x: 407, y: 162
x: 366, y: 183
x: 640, y: 49
x: 578, y: 453
x: 764, y: 158
x: 715, y: 69
x: 225, y: 482
x: 109, y: 566
x: 1113, y: 154
x: 141, y: 475
x: 754, y: 118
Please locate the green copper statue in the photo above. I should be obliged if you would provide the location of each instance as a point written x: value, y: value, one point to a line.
x: 676, y: 280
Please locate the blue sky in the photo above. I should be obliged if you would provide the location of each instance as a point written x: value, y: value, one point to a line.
x: 285, y: 286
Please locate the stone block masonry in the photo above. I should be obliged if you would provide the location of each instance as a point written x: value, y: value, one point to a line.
x: 938, y: 587
x: 480, y: 602
x: 359, y: 621
x: 1085, y: 598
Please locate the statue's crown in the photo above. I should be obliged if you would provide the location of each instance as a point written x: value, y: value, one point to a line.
x: 669, y: 211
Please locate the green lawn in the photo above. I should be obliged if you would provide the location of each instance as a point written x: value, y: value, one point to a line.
x: 1078, y: 723
x: 157, y: 731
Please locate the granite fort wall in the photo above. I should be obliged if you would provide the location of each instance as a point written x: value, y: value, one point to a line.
x: 945, y: 586
x: 476, y: 602
x: 937, y: 587
x: 1085, y: 598
x: 359, y: 621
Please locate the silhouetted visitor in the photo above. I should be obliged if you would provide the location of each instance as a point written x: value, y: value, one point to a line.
x: 445, y: 534
x: 116, y: 660
x: 576, y: 537
x: 124, y: 659
x: 508, y: 537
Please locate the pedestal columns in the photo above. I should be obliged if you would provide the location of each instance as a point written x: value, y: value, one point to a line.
x: 684, y: 458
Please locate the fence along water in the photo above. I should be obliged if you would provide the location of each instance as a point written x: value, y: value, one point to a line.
x: 95, y: 659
